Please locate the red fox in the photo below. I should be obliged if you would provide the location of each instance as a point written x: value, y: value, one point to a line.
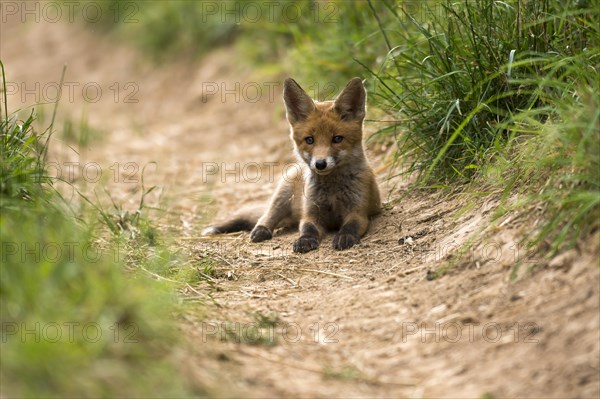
x: 336, y: 189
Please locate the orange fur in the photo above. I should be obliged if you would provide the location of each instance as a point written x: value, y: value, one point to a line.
x: 336, y: 189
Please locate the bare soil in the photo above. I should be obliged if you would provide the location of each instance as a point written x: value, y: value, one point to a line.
x: 372, y: 321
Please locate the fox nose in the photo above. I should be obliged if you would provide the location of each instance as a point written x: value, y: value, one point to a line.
x: 321, y: 164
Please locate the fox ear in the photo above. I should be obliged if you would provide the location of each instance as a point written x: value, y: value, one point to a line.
x: 298, y: 104
x: 350, y: 104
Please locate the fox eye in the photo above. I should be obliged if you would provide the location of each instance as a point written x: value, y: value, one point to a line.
x: 309, y: 140
x: 337, y: 139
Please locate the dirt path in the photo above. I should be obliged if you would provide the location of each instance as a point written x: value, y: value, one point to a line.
x: 369, y: 321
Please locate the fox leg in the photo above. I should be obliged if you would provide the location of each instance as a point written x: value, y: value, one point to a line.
x: 310, y: 234
x: 311, y: 230
x: 354, y: 227
x: 280, y: 208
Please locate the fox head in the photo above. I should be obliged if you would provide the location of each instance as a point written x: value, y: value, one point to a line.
x: 326, y: 135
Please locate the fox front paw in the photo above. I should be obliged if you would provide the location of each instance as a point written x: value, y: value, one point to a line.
x: 260, y: 233
x: 305, y: 244
x: 344, y: 241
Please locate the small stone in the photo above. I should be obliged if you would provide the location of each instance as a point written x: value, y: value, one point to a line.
x: 430, y: 275
x: 515, y: 297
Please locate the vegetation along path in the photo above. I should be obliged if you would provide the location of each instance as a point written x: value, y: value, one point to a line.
x: 386, y: 318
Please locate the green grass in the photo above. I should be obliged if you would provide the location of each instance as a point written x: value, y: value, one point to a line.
x: 22, y: 170
x: 72, y: 322
x: 79, y: 133
x: 499, y: 94
x: 317, y: 41
x: 557, y: 168
x: 167, y: 30
x: 457, y: 74
x: 21, y: 159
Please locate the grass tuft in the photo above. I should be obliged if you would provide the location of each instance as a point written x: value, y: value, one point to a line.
x: 72, y: 323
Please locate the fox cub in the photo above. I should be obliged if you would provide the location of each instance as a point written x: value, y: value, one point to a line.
x: 335, y: 188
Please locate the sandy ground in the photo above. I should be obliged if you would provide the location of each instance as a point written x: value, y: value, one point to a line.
x: 367, y: 322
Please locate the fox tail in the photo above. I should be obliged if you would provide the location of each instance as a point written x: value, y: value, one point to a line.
x: 241, y: 222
